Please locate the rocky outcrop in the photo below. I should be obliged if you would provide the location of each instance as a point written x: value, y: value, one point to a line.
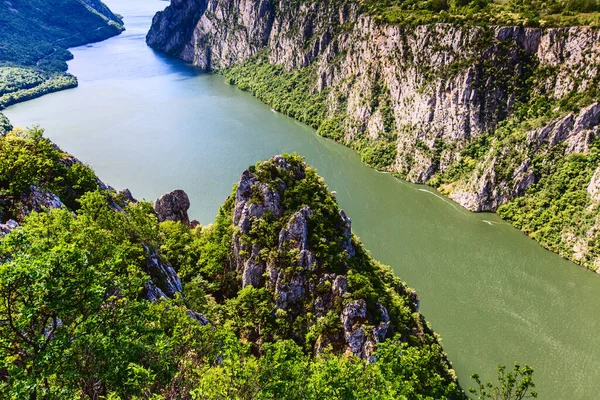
x: 490, y: 186
x: 285, y: 261
x: 173, y: 206
x: 164, y: 282
x: 8, y: 227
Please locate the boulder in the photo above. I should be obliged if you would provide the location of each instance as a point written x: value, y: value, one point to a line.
x: 173, y: 206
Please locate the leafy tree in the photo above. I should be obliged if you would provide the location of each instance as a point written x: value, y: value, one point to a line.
x: 513, y: 385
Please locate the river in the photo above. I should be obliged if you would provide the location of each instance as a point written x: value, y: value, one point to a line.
x: 153, y: 124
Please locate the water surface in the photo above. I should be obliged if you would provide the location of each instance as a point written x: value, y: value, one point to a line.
x: 154, y: 124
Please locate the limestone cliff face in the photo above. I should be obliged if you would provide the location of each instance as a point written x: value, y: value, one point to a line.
x: 427, y: 92
x: 445, y: 84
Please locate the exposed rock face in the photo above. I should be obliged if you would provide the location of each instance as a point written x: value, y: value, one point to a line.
x: 290, y: 270
x: 173, y: 206
x: 467, y: 94
x: 8, y: 227
x: 426, y: 93
x: 164, y: 281
x: 594, y: 186
x: 483, y: 190
x: 39, y: 200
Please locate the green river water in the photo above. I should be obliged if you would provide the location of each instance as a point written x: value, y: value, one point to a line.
x: 153, y: 124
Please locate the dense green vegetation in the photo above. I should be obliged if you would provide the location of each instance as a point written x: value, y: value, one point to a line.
x: 34, y: 37
x: 21, y: 84
x: 293, y: 93
x: 5, y: 125
x: 558, y: 209
x: 487, y: 12
x: 38, y: 32
x: 75, y: 324
x: 26, y: 158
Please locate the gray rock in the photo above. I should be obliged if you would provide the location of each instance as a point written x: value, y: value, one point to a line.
x: 594, y: 186
x: 8, y: 227
x: 164, y: 280
x: 173, y: 206
x: 38, y: 200
x: 295, y: 235
x: 253, y: 270
x: 347, y: 226
x: 127, y: 196
x: 202, y: 320
x: 340, y: 286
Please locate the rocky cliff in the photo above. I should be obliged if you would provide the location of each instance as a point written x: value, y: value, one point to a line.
x: 286, y: 244
x: 481, y: 112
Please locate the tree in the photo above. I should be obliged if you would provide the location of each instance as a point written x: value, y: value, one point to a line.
x: 514, y: 385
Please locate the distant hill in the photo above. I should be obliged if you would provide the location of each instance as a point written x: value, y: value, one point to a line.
x: 35, y: 36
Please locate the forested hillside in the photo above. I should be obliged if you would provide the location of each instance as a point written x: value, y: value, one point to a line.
x: 34, y: 38
x: 276, y: 299
x: 99, y: 294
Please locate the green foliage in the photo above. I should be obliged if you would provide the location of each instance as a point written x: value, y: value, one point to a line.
x: 486, y: 12
x: 291, y: 93
x: 35, y: 33
x: 5, y: 125
x: 34, y: 38
x: 26, y: 158
x: 514, y: 385
x: 379, y: 155
x: 558, y: 207
x: 21, y: 84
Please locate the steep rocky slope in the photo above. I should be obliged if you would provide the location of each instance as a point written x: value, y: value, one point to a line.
x: 481, y: 112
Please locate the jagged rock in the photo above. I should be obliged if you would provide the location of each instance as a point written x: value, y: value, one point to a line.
x: 484, y: 191
x: 8, y: 227
x: 274, y: 248
x: 295, y: 235
x: 247, y: 208
x: 164, y: 280
x: 340, y: 285
x: 253, y: 269
x: 353, y: 316
x: 127, y: 196
x: 198, y: 317
x: 173, y: 206
x: 347, y: 243
x: 252, y: 200
x: 38, y: 200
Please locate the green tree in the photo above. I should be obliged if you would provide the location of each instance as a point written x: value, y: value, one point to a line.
x: 513, y: 385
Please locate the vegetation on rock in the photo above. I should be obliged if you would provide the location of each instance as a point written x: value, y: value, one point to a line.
x: 487, y: 12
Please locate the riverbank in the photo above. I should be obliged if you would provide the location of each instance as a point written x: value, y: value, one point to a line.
x: 489, y: 117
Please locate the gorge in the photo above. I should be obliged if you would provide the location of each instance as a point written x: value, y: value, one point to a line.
x: 486, y: 114
x: 154, y: 124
